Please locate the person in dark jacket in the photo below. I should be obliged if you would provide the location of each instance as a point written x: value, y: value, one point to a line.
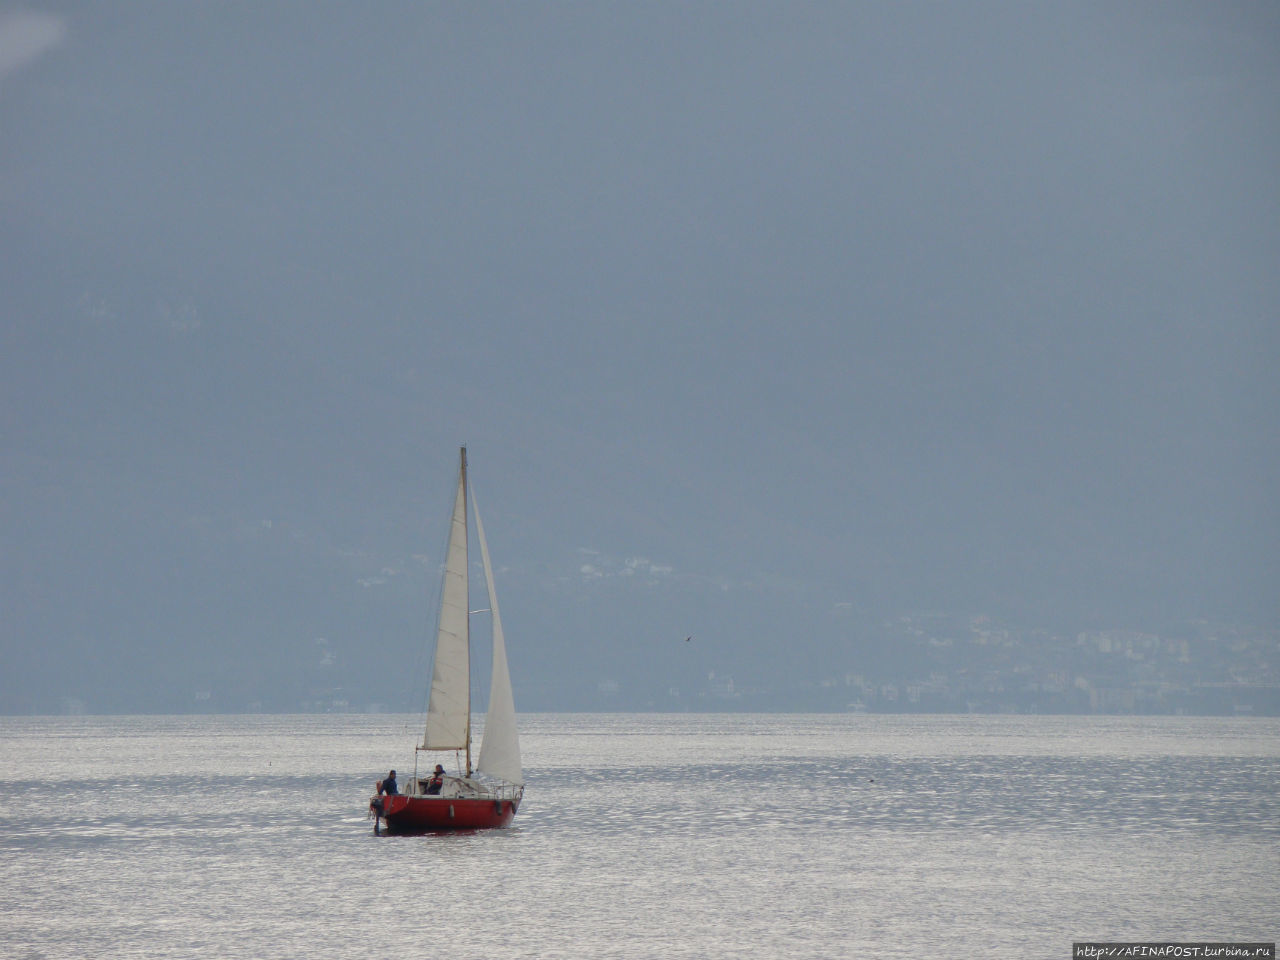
x: 388, y: 786
x: 436, y: 781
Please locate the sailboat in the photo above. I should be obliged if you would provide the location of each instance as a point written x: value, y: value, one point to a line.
x: 488, y: 795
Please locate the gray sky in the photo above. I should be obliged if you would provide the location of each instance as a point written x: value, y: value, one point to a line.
x: 954, y: 306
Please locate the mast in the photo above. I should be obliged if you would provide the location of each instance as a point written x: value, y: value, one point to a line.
x: 466, y: 595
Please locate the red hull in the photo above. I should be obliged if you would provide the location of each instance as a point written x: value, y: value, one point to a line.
x: 427, y: 814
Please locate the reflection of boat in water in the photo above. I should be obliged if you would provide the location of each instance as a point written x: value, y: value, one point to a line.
x: 489, y: 795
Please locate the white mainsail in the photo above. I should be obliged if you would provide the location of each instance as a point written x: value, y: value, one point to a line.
x: 449, y: 705
x: 500, y: 750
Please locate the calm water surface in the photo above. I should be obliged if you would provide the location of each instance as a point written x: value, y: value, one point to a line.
x: 642, y: 836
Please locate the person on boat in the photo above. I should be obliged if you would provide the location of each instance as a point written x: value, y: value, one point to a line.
x: 388, y: 786
x: 436, y: 781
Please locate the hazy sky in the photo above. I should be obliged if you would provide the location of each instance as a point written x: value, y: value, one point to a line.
x: 900, y: 305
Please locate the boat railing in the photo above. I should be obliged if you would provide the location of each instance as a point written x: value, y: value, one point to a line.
x: 506, y: 791
x: 463, y: 787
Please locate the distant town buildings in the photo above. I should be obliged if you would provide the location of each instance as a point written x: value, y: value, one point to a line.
x: 943, y: 663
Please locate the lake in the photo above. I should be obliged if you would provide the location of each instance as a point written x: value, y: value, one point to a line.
x: 642, y: 835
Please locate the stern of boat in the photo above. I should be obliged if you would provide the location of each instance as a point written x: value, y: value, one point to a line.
x: 466, y: 805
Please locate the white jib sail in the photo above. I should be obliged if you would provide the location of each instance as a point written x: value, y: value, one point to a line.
x: 500, y: 751
x: 449, y: 705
